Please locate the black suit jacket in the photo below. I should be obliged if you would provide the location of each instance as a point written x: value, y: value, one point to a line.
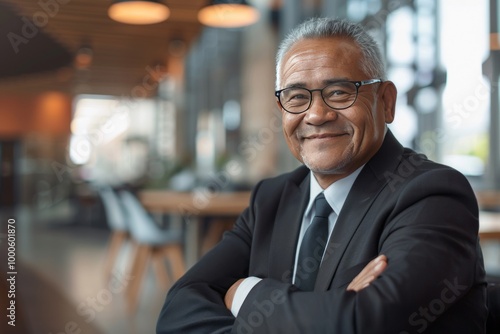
x: 423, y: 216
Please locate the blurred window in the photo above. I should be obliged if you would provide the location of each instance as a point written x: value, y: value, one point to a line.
x: 464, y: 44
x: 111, y: 137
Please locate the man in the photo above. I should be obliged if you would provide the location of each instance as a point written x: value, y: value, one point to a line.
x: 410, y: 223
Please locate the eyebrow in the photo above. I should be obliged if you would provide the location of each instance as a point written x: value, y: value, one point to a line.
x: 325, y: 83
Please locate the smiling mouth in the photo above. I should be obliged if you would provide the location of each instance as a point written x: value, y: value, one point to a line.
x: 324, y: 136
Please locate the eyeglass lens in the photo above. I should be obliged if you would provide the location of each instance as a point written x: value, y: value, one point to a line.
x: 339, y: 95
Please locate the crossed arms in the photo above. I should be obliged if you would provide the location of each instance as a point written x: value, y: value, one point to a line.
x: 369, y: 273
x: 428, y: 236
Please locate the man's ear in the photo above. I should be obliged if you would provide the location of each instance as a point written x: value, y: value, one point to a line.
x: 388, y: 94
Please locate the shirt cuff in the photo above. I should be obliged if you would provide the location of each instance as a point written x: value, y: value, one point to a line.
x: 242, y: 293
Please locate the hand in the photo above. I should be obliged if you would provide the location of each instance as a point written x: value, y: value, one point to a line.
x: 369, y: 273
x: 228, y: 298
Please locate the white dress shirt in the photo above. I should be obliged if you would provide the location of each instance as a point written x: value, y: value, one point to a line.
x: 335, y: 195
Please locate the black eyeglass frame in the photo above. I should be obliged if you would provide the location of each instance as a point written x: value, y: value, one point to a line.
x: 356, y: 83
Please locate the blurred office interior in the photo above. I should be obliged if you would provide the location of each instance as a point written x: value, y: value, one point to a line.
x: 89, y: 103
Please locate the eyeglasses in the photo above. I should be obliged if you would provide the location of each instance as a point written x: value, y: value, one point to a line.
x: 338, y: 95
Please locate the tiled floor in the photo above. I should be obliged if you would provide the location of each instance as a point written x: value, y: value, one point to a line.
x: 68, y: 260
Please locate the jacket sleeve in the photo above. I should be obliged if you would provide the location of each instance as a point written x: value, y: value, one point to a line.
x: 195, y: 304
x: 430, y: 240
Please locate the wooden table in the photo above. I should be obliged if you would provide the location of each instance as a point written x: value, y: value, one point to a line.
x: 192, y: 206
x: 489, y: 225
x: 489, y: 221
x: 488, y: 199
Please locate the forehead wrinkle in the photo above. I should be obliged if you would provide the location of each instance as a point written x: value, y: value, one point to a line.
x: 298, y: 58
x: 324, y: 82
x: 292, y: 74
x: 300, y: 53
x: 297, y: 55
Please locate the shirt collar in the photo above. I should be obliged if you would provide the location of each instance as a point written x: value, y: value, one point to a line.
x: 335, y: 194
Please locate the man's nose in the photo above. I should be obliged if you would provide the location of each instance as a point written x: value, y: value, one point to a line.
x: 319, y: 112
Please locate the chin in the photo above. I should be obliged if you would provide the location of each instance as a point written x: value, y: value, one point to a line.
x: 323, y: 164
x: 338, y: 168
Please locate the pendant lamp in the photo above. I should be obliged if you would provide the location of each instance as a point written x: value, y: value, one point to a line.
x: 138, y: 11
x: 228, y: 14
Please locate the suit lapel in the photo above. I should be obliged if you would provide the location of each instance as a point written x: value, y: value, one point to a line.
x: 365, y: 189
x: 287, y: 227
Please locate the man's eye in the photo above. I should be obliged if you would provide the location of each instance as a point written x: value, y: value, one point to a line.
x: 298, y: 96
x: 337, y: 92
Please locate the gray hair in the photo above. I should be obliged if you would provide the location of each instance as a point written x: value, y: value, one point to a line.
x: 372, y: 63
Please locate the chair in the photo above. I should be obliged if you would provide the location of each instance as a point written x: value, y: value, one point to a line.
x: 117, y: 223
x: 493, y: 321
x: 151, y: 242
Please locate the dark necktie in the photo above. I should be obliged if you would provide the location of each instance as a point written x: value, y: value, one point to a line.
x: 313, y: 245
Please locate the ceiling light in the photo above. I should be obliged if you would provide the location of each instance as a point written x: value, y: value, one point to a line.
x: 83, y: 57
x: 228, y: 14
x: 138, y: 11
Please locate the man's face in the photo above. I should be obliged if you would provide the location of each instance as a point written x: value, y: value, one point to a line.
x: 334, y: 143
